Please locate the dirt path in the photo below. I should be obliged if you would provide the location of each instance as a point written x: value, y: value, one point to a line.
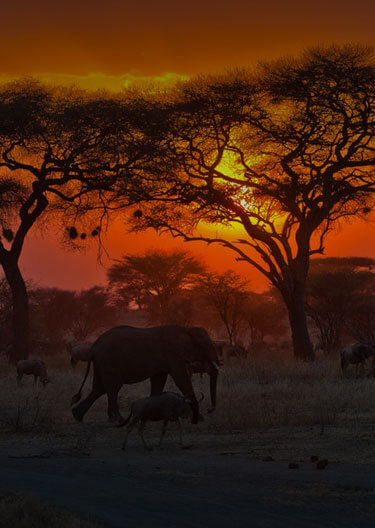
x: 191, y: 488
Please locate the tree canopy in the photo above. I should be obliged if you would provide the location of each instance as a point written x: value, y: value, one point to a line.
x: 284, y: 153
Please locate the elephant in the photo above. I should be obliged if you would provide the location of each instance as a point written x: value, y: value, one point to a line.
x: 127, y: 355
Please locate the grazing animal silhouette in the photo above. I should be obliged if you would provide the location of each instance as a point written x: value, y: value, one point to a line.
x: 34, y: 367
x: 168, y: 407
x: 357, y: 355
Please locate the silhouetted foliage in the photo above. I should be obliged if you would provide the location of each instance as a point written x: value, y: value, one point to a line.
x: 60, y: 315
x: 264, y: 316
x: 284, y: 153
x: 157, y: 282
x: 93, y: 311
x: 340, y: 300
x: 61, y: 151
x: 227, y: 294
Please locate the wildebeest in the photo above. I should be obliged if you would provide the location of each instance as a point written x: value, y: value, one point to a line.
x: 126, y: 355
x: 357, y: 355
x: 34, y: 367
x: 78, y: 353
x: 168, y: 407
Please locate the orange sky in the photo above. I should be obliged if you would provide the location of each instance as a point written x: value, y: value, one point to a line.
x: 114, y: 43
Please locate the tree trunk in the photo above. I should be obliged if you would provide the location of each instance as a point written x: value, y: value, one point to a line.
x: 20, y: 311
x: 302, y: 345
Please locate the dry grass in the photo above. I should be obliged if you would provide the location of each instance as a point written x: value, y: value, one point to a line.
x: 263, y: 401
x: 289, y: 393
x: 252, y: 394
x: 28, y: 512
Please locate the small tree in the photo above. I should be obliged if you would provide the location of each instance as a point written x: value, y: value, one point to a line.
x: 227, y: 294
x: 51, y: 315
x: 92, y: 312
x: 264, y: 315
x: 154, y: 281
x: 338, y: 294
x: 360, y: 325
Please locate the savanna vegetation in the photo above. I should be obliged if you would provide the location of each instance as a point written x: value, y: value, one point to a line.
x: 284, y: 153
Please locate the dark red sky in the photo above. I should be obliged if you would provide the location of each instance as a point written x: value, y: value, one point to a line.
x: 151, y: 37
x: 112, y: 43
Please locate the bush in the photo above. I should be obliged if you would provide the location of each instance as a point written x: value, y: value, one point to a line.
x: 28, y: 512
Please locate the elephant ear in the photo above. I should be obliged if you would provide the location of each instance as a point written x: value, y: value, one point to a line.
x: 203, y: 347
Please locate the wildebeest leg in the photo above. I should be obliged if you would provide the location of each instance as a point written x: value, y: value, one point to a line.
x: 182, y: 445
x: 128, y: 431
x: 113, y: 410
x: 35, y: 379
x: 19, y: 380
x: 158, y: 383
x: 164, y: 428
x: 180, y: 432
x: 141, y: 430
x: 182, y: 379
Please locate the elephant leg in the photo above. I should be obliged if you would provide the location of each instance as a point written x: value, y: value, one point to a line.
x: 164, y: 428
x: 113, y: 410
x: 141, y: 431
x: 182, y: 379
x: 158, y: 383
x: 81, y: 409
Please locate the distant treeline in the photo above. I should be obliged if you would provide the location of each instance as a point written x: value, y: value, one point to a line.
x: 174, y: 287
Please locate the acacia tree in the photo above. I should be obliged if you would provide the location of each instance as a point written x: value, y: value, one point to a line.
x: 283, y: 154
x: 154, y: 280
x: 51, y: 315
x: 340, y: 299
x: 61, y: 150
x: 92, y: 311
x: 227, y: 294
x: 264, y: 316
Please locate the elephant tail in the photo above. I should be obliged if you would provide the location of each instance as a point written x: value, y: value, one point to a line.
x: 125, y: 421
x: 78, y: 396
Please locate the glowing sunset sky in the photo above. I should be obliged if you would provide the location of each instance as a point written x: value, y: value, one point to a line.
x: 114, y: 43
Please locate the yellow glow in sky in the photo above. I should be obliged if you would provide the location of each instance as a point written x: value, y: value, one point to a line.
x: 102, y: 81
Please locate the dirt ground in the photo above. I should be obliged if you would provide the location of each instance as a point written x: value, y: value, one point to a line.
x: 220, y: 481
x: 284, y: 412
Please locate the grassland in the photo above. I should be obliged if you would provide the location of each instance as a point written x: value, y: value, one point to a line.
x: 279, y: 408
